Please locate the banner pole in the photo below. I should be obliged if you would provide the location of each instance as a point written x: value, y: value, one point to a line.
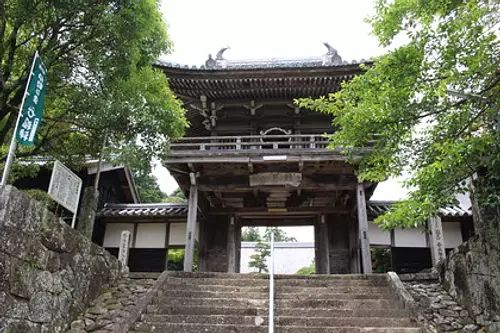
x: 13, y: 144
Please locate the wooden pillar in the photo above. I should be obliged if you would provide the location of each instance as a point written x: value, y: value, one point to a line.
x: 321, y: 245
x: 191, y: 228
x: 203, y: 246
x: 363, y: 229
x: 393, y: 246
x: 238, y: 245
x: 436, y: 241
x: 231, y: 245
x: 167, y: 242
x: 354, y: 247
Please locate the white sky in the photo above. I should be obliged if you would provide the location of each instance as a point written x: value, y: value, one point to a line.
x: 270, y: 29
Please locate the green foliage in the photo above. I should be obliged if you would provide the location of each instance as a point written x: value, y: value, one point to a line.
x: 175, y: 197
x: 279, y: 235
x: 251, y: 234
x: 148, y: 188
x: 311, y: 269
x: 381, y: 260
x: 177, y: 193
x: 259, y: 258
x: 429, y: 108
x: 101, y: 80
x: 176, y: 260
x: 42, y: 197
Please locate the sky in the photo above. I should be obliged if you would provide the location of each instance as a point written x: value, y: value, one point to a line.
x: 270, y: 29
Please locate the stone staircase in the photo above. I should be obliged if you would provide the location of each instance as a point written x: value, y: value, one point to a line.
x: 238, y: 303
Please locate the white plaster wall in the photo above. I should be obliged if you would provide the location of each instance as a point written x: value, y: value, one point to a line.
x: 410, y: 237
x: 452, y: 234
x: 377, y: 236
x: 151, y: 235
x: 113, y: 234
x: 177, y: 234
x: 289, y: 257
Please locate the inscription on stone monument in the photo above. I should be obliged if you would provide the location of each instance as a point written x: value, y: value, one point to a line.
x: 124, y: 247
x: 436, y: 240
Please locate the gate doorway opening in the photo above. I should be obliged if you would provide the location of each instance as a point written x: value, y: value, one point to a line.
x: 294, y: 249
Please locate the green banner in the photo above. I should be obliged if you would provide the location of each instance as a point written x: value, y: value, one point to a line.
x: 32, y: 106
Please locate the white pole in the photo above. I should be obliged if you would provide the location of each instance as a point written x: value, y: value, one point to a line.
x: 13, y: 145
x: 271, y: 288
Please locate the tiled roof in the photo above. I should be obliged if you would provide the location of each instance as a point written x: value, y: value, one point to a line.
x: 376, y: 208
x: 262, y: 64
x: 144, y: 210
x: 330, y: 59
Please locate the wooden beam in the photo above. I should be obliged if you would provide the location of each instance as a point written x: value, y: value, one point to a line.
x: 290, y: 211
x: 243, y: 189
x: 191, y: 228
x: 363, y: 229
x: 304, y: 221
x: 206, y: 157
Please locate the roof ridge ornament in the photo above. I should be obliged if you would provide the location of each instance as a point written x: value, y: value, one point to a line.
x: 221, y: 52
x: 332, y: 57
x: 210, y: 63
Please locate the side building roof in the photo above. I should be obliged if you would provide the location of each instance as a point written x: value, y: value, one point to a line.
x: 179, y: 210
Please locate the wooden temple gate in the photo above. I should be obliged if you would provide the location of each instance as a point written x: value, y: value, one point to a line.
x: 252, y: 157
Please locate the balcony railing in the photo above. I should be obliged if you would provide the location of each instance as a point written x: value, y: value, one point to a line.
x: 261, y: 144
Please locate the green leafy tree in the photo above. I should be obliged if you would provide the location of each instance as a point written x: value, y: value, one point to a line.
x: 176, y: 196
x: 101, y: 82
x: 251, y: 234
x: 176, y: 260
x: 311, y: 269
x: 262, y: 252
x: 148, y: 188
x: 429, y: 107
x: 381, y: 260
x: 279, y: 235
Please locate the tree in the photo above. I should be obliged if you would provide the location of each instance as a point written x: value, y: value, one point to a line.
x: 260, y: 257
x: 429, y: 107
x: 279, y: 235
x: 251, y: 234
x: 311, y: 269
x: 148, y: 188
x: 102, y: 86
x: 176, y: 196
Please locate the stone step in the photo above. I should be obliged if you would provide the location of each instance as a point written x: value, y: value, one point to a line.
x: 346, y: 303
x: 205, y: 310
x: 213, y: 302
x: 228, y: 328
x: 306, y: 321
x: 278, y: 289
x: 335, y: 277
x: 326, y: 294
x: 205, y: 319
x: 293, y: 312
x: 242, y: 282
x: 330, y: 283
x: 280, y: 320
x: 211, y: 281
x: 214, y: 287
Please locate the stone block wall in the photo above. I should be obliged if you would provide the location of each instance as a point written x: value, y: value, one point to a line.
x: 471, y: 274
x: 49, y: 272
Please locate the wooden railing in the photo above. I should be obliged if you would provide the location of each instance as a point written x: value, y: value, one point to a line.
x: 260, y: 143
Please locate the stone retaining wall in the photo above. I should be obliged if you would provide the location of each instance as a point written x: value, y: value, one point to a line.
x: 471, y: 274
x: 49, y: 272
